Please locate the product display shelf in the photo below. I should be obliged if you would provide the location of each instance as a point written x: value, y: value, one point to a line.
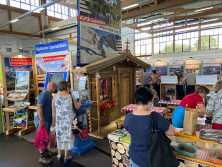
x: 194, y: 137
x: 196, y: 160
x: 11, y: 129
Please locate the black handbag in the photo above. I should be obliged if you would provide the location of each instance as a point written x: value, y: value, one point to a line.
x: 160, y: 153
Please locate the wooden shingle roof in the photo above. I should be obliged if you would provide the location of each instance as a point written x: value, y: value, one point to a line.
x: 109, y: 61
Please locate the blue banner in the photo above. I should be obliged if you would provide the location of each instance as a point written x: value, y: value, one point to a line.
x: 52, y: 47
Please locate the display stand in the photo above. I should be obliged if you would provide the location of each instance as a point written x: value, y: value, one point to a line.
x: 14, y: 63
x: 22, y: 132
x: 82, y: 141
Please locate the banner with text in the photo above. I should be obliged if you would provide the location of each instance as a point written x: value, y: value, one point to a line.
x: 99, y: 30
x: 20, y: 61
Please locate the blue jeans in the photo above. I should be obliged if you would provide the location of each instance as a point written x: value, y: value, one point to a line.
x: 178, y: 117
x: 47, y: 125
x: 133, y: 164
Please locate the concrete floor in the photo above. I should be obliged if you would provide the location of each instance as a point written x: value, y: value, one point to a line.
x: 20, y: 152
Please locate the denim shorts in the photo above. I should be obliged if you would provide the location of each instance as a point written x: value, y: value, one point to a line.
x: 133, y: 164
x: 47, y: 125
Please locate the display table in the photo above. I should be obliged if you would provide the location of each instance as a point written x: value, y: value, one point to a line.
x: 120, y: 156
x: 82, y: 141
x: 132, y: 107
x: 170, y: 104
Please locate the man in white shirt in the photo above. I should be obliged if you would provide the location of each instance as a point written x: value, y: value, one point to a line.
x: 190, y: 79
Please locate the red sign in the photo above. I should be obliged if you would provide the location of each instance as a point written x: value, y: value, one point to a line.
x: 77, y: 77
x: 84, y: 134
x: 53, y: 58
x: 98, y: 75
x: 91, y: 20
x: 20, y: 61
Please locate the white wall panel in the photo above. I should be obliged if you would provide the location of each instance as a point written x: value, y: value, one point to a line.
x: 4, y: 19
x: 28, y: 24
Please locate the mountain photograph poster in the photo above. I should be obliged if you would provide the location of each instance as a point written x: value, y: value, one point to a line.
x: 51, y: 64
x: 17, y: 64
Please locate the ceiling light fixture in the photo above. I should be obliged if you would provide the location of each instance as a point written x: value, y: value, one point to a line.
x: 130, y: 6
x: 19, y: 56
x: 14, y: 20
x: 203, y: 9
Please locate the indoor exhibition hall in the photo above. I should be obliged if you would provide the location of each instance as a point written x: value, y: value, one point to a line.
x: 110, y: 83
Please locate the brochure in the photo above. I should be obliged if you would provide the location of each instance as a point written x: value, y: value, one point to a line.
x: 17, y: 95
x: 82, y: 82
x: 85, y: 95
x: 76, y: 94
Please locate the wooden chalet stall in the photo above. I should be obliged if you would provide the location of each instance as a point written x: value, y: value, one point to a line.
x: 117, y: 82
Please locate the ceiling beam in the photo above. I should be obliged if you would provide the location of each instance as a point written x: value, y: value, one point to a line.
x: 128, y: 2
x: 158, y: 8
x: 198, y: 15
x: 60, y: 39
x: 19, y: 33
x: 187, y: 26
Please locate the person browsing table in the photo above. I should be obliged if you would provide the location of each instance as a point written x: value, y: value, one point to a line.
x: 191, y: 101
x: 215, y: 106
x: 44, y: 117
x: 138, y: 125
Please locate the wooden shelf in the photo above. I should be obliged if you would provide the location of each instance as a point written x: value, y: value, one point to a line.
x: 33, y: 107
x: 16, y: 99
x: 11, y: 109
x: 197, y: 160
x: 194, y: 137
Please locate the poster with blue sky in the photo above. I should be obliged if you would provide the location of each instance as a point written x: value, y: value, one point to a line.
x: 10, y: 71
x: 99, y: 28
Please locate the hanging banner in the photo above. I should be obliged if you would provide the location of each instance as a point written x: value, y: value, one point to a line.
x: 20, y: 61
x: 99, y: 30
x: 176, y: 66
x: 194, y: 66
x: 211, y: 67
x: 161, y: 68
x: 204, y: 79
x: 52, y: 47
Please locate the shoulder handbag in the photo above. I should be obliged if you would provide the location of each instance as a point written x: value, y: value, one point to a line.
x: 159, y: 150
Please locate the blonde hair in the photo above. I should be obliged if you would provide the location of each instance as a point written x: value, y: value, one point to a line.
x: 63, y: 85
x: 218, y: 86
x: 202, y: 89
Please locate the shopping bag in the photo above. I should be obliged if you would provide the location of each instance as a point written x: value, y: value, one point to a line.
x: 41, y: 138
x: 190, y: 121
x: 52, y: 140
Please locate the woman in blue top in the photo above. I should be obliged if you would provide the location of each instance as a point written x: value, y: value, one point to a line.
x: 139, y: 127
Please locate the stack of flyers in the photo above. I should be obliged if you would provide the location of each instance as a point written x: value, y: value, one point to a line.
x: 17, y: 95
x: 76, y: 94
x: 11, y: 95
x: 85, y: 95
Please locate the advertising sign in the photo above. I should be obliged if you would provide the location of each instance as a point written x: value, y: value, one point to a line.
x: 99, y: 28
x: 52, y: 47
